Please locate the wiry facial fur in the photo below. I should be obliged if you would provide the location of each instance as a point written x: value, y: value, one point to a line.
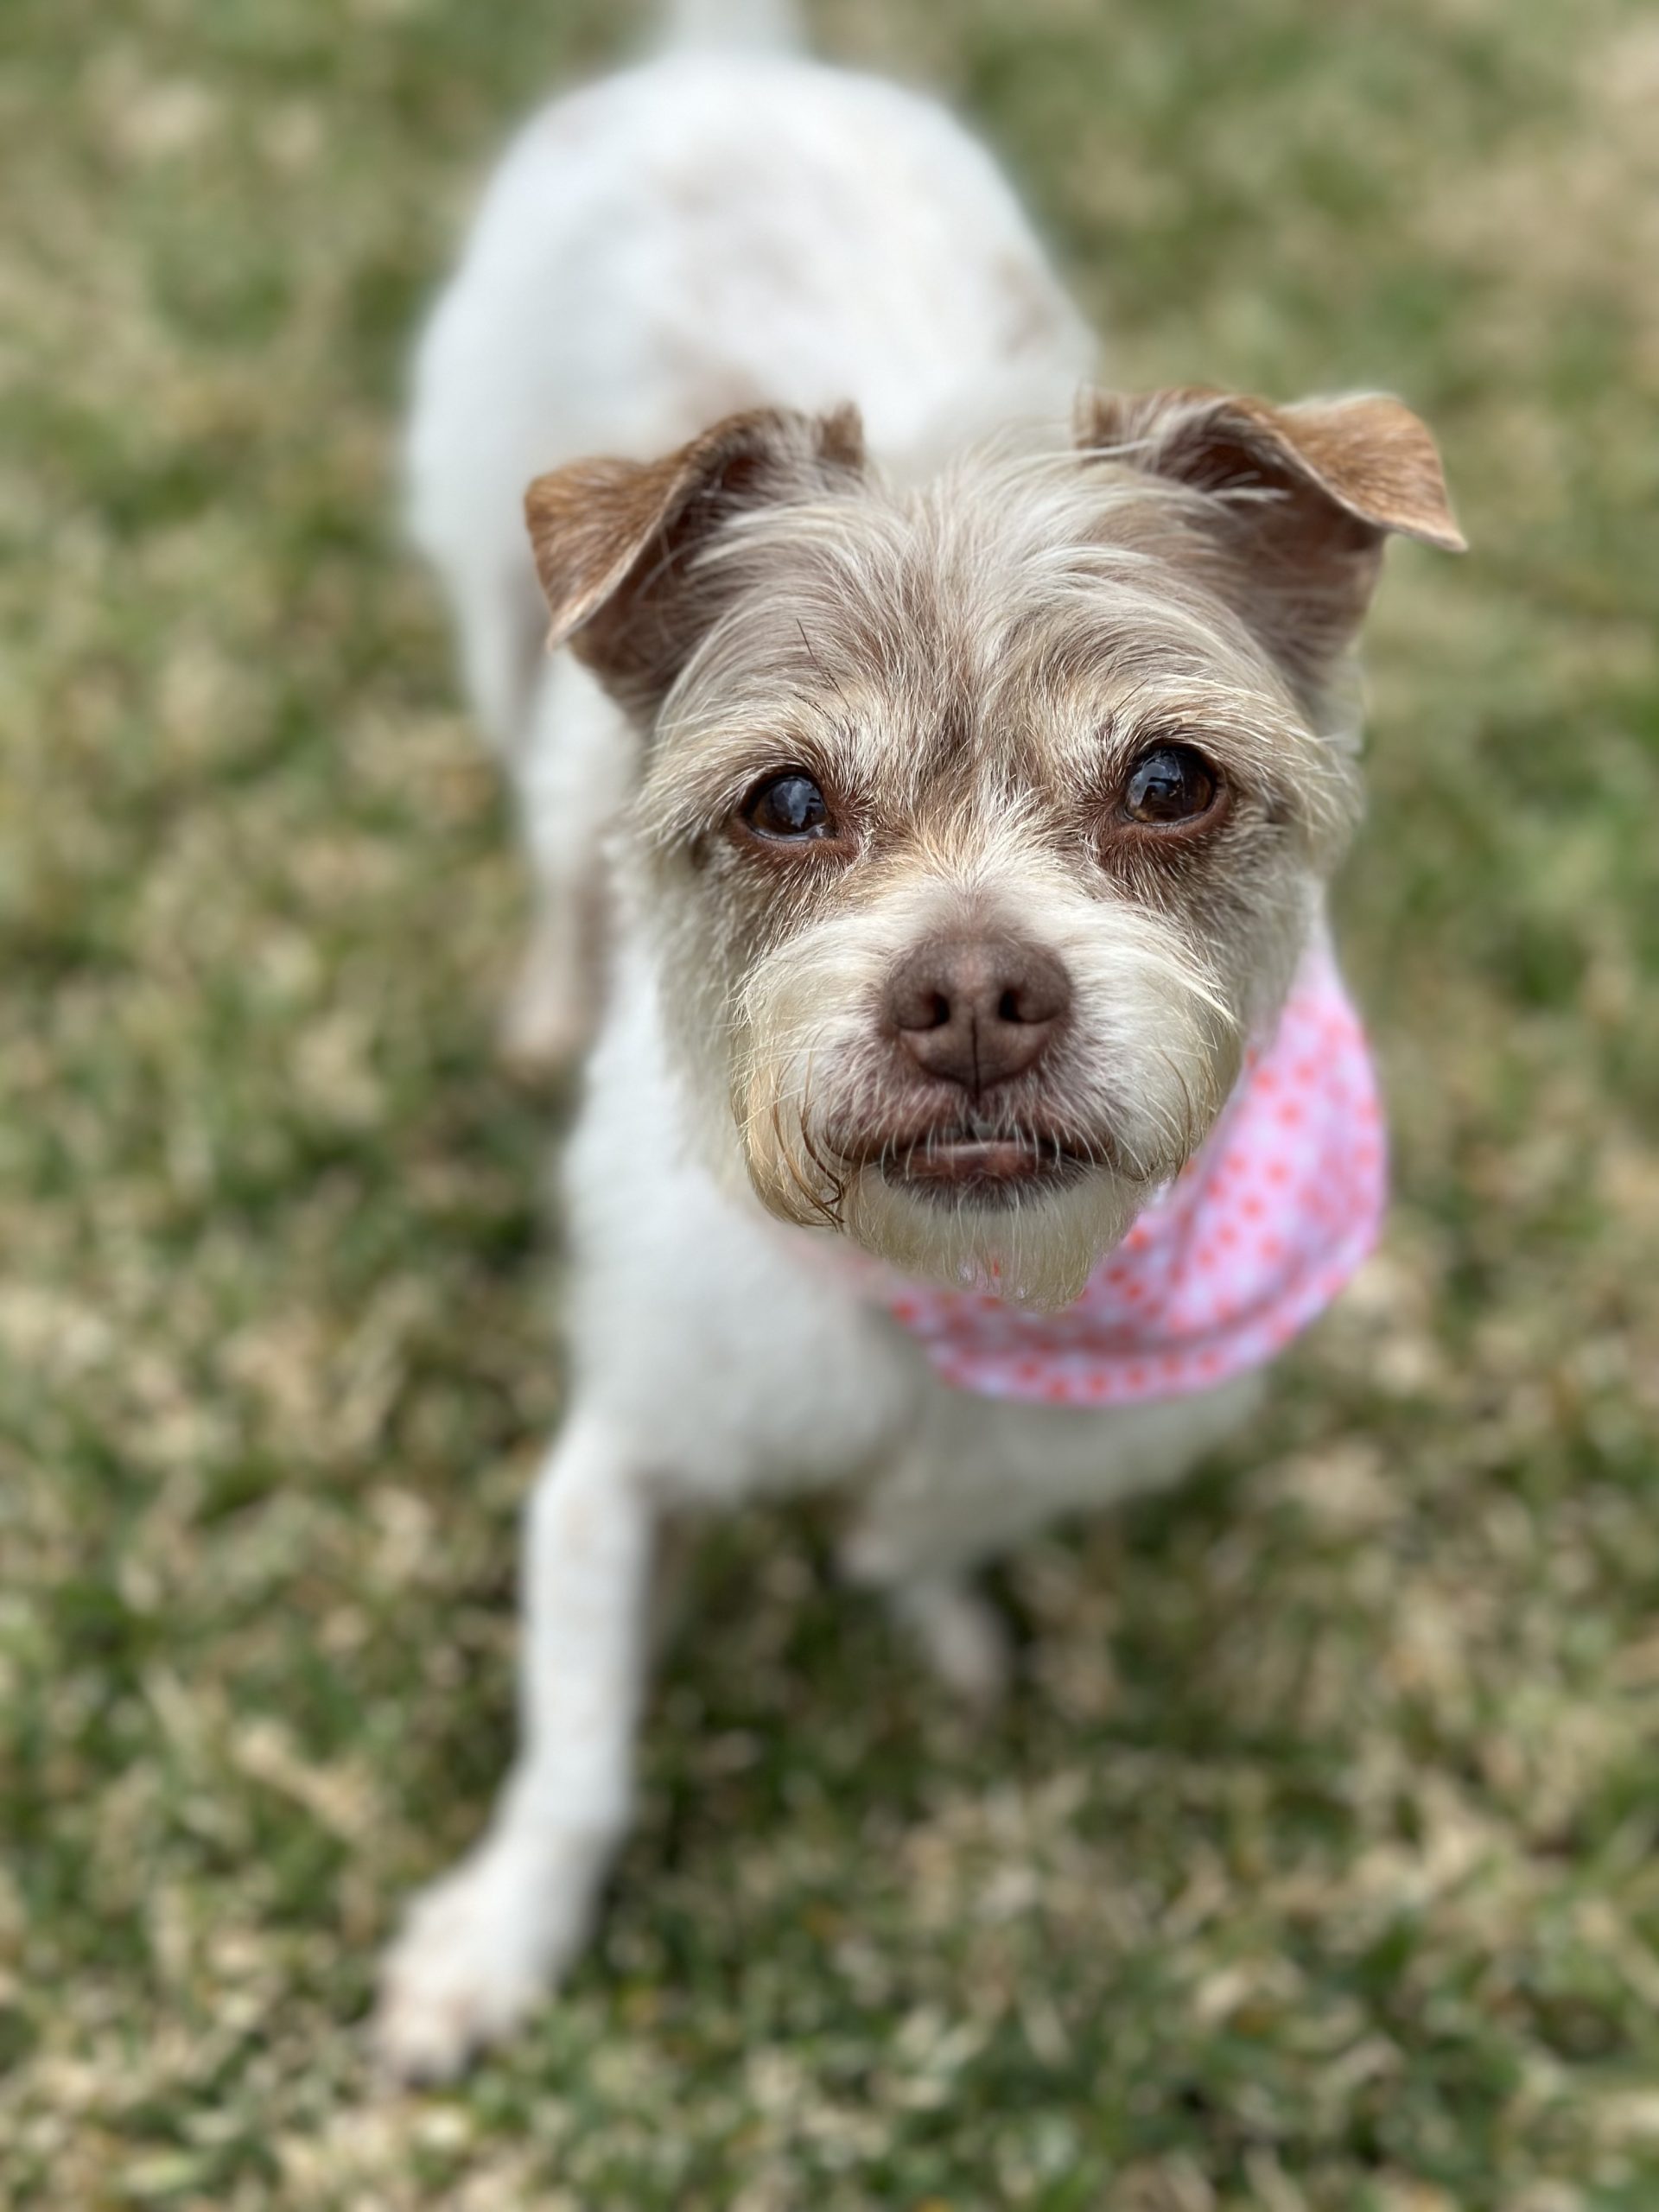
x: 968, y: 669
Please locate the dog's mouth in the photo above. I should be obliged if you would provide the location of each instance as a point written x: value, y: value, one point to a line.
x: 981, y: 1168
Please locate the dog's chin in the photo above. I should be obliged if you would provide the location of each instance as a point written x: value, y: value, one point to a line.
x: 992, y: 1216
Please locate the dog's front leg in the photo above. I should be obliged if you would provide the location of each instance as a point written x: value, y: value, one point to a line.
x: 482, y: 1946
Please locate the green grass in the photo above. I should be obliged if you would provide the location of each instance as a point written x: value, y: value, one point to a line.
x: 1314, y: 1864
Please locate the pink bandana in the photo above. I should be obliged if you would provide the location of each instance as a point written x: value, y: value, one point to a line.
x: 1256, y: 1236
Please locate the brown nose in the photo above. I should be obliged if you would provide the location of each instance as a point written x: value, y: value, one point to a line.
x: 977, y: 1010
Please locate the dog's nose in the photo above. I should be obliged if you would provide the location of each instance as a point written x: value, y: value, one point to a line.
x: 977, y: 1010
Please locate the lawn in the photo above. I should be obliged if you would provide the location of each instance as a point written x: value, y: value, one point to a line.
x: 1313, y: 1863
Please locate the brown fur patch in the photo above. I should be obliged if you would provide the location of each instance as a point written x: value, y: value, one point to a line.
x: 1368, y: 455
x: 1304, y: 498
x: 613, y: 539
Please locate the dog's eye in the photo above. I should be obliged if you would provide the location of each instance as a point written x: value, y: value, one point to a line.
x: 789, y: 806
x: 1172, y: 783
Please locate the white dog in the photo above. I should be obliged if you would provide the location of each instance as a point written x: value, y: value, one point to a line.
x: 932, y: 812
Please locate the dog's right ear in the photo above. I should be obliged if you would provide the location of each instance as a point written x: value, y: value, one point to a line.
x: 617, y: 541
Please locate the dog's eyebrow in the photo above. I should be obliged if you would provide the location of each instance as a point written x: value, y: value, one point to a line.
x: 807, y: 644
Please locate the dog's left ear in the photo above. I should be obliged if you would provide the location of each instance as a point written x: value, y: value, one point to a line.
x: 1300, y: 500
x: 617, y: 542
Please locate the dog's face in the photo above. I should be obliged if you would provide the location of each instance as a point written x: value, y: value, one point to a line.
x: 982, y: 825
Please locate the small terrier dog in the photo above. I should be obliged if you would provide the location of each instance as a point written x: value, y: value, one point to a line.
x: 931, y: 813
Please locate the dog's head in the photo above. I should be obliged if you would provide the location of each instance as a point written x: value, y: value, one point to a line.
x: 983, y: 825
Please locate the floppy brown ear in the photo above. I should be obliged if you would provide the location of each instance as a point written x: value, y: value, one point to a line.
x: 616, y: 541
x: 1304, y: 498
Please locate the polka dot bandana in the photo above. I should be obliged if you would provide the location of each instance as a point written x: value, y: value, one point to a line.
x: 1262, y: 1229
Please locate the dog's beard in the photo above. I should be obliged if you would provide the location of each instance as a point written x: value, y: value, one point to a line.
x: 1037, y: 1245
x: 1033, y: 1238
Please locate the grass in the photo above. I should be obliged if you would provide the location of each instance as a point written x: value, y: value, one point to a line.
x: 1314, y: 1864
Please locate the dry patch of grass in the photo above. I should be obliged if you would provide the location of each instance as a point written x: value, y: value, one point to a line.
x: 1313, y: 1866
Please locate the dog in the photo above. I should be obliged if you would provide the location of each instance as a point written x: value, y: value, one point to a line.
x: 932, y: 800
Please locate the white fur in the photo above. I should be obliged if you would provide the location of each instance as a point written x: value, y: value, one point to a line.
x: 709, y: 232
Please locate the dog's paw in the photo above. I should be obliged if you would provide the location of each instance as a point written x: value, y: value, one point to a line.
x: 478, y: 1952
x: 541, y: 1036
x: 962, y: 1639
x: 551, y: 1011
